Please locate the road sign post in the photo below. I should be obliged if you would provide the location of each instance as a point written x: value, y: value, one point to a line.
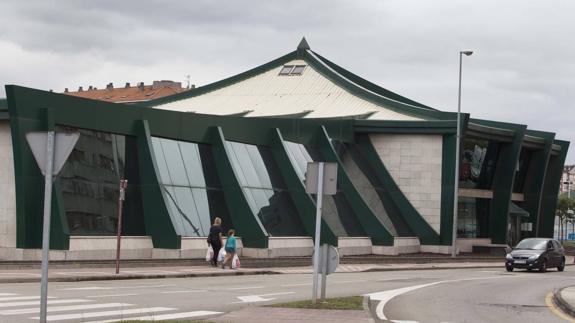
x: 321, y: 178
x: 50, y: 151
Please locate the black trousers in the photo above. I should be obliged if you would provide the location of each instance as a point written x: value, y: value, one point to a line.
x: 216, y: 247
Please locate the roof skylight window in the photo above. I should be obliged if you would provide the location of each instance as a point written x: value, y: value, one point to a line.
x: 297, y: 70
x: 286, y: 69
x: 292, y: 70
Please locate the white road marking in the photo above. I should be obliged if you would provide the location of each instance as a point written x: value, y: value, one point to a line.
x: 116, y: 287
x: 385, y: 296
x: 20, y: 298
x: 293, y: 285
x: 185, y: 291
x: 166, y: 316
x: 7, y: 294
x: 349, y: 281
x: 20, y: 274
x: 150, y: 271
x: 106, y: 313
x: 88, y: 288
x: 63, y: 308
x: 259, y: 298
x: 111, y: 295
x: 240, y: 288
x: 83, y: 273
x: 50, y: 302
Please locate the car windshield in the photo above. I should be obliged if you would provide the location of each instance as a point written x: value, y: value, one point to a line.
x: 535, y: 244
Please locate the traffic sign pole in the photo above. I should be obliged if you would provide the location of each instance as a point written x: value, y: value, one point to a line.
x: 46, y: 226
x: 316, y: 254
x: 324, y: 251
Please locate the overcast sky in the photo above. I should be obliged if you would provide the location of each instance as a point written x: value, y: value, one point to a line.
x: 522, y: 71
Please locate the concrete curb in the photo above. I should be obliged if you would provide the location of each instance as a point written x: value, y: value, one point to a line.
x: 562, y: 303
x: 210, y: 274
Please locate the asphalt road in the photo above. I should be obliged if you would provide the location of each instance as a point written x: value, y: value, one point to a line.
x: 468, y: 295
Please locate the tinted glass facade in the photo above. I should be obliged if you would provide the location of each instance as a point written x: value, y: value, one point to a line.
x: 264, y: 189
x: 190, y: 185
x: 89, y: 182
x: 336, y: 210
x: 478, y: 162
x: 521, y: 171
x: 473, y: 217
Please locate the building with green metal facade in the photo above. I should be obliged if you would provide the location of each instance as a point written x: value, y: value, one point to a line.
x: 238, y: 148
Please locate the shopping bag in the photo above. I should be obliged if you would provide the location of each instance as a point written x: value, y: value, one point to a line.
x: 210, y: 254
x: 236, y: 262
x: 221, y: 255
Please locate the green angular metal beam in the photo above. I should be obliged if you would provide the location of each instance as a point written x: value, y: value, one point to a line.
x: 394, y: 195
x: 303, y: 202
x: 369, y: 222
x: 157, y: 219
x: 536, y: 174
x: 247, y: 224
x: 551, y: 190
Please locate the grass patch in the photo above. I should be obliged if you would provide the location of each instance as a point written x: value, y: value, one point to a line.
x: 339, y: 303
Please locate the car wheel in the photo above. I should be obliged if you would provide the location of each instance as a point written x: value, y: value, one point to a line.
x: 543, y: 267
x: 509, y: 268
x: 561, y: 267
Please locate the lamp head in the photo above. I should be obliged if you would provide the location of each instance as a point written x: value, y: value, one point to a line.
x: 467, y: 52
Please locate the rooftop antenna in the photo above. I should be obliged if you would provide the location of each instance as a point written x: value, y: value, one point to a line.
x: 188, y: 81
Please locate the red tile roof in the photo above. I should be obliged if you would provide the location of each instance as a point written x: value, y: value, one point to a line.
x: 130, y: 93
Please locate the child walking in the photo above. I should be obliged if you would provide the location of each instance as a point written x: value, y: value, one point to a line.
x: 230, y: 248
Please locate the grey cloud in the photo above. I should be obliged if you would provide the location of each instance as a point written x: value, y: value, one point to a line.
x: 522, y: 71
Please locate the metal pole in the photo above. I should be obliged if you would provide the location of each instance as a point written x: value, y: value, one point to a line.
x: 46, y: 225
x: 317, y: 232
x: 323, y: 270
x: 456, y: 181
x: 121, y: 197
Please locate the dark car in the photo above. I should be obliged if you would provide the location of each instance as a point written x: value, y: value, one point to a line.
x: 536, y: 253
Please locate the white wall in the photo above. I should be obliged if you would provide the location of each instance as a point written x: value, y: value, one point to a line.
x: 7, y: 188
x: 414, y: 162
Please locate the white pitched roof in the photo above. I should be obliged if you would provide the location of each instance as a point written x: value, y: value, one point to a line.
x: 269, y: 94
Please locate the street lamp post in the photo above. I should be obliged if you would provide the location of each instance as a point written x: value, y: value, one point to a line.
x: 457, y: 144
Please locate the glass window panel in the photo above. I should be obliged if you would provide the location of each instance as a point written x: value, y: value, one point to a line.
x: 478, y: 162
x: 473, y: 217
x: 193, y: 164
x: 175, y: 163
x: 264, y: 189
x: 161, y: 161
x: 89, y: 184
x: 297, y: 70
x: 336, y: 211
x: 203, y: 209
x: 286, y: 69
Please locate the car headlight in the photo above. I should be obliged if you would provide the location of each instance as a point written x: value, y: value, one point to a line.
x: 509, y: 257
x: 534, y: 257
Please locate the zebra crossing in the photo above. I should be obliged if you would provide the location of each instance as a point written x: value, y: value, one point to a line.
x: 26, y: 308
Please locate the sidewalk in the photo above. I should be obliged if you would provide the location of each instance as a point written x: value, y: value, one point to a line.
x: 564, y: 298
x: 91, y: 274
x: 255, y: 314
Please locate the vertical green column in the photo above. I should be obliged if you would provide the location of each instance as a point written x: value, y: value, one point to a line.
x: 369, y: 222
x: 415, y: 221
x: 303, y: 202
x: 503, y: 185
x: 156, y: 217
x: 447, y: 188
x: 59, y: 230
x: 246, y: 223
x: 534, y: 182
x: 551, y: 190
